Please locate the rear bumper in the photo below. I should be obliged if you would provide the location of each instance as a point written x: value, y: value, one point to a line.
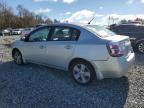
x: 114, y: 67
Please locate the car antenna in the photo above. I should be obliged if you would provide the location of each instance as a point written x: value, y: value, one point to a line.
x: 91, y: 20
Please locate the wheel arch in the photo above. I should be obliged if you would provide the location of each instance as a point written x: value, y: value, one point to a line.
x: 99, y: 74
x: 14, y: 49
x: 78, y: 59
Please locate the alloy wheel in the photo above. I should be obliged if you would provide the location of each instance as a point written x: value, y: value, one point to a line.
x: 17, y: 57
x: 81, y: 73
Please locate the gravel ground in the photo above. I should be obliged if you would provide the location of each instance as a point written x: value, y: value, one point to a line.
x: 34, y: 86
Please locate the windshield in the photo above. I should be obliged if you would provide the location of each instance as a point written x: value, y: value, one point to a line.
x: 101, y: 31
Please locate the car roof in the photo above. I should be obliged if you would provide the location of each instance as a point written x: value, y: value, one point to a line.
x: 67, y: 24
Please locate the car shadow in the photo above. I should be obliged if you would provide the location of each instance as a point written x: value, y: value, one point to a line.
x: 37, y: 86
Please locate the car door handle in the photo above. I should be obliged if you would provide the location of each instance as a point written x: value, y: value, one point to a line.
x: 68, y: 47
x: 42, y: 47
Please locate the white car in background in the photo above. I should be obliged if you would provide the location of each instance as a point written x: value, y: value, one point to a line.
x: 6, y: 32
x: 26, y: 31
x: 87, y: 51
x: 17, y: 31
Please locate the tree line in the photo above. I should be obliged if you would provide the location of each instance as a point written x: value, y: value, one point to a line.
x: 24, y: 17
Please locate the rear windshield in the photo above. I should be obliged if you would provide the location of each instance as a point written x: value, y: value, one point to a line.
x: 101, y: 31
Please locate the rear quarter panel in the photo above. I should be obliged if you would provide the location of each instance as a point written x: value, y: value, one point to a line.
x: 91, y: 52
x: 90, y: 47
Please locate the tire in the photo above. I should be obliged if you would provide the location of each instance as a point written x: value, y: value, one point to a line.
x: 140, y: 47
x: 82, y: 72
x: 17, y: 56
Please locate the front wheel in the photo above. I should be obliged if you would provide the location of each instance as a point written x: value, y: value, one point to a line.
x: 82, y: 72
x: 140, y: 47
x: 17, y: 56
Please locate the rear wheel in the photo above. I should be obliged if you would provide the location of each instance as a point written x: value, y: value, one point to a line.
x: 17, y: 56
x: 82, y: 72
x: 140, y: 47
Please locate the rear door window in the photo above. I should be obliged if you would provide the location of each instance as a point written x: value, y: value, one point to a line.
x: 64, y: 34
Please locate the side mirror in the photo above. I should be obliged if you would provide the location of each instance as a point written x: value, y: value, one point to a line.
x: 23, y: 38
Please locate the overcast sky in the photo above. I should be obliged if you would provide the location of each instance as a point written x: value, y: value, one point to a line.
x: 84, y: 10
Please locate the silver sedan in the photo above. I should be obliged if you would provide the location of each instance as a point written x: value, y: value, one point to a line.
x: 87, y: 51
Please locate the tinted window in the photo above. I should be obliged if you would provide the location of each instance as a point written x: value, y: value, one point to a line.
x: 124, y: 29
x: 121, y: 29
x: 75, y: 34
x: 128, y: 29
x: 138, y: 29
x: 64, y: 34
x: 39, y: 35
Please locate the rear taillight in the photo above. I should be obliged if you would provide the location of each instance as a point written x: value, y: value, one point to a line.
x: 114, y: 50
